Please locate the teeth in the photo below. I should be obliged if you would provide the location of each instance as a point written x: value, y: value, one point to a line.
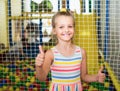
x: 66, y: 34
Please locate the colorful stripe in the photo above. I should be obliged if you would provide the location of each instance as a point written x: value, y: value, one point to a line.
x: 65, y: 71
x: 68, y: 62
x: 64, y: 81
x: 68, y: 87
x: 68, y: 59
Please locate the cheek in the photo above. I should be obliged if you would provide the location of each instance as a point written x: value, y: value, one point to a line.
x: 73, y: 31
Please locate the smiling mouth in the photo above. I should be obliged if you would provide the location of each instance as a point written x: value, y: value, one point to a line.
x: 66, y: 34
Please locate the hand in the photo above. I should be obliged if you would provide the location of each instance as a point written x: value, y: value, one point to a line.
x: 40, y: 57
x: 101, y: 76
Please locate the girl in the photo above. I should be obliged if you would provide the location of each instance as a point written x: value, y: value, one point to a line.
x: 66, y: 60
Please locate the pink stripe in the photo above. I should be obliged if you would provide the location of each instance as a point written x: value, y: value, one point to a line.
x: 55, y: 69
x: 66, y: 69
x: 53, y: 87
x: 62, y: 88
x: 77, y: 50
x: 80, y: 87
x: 55, y: 52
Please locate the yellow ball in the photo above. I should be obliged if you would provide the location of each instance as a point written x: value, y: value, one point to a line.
x: 4, y: 88
x: 35, y: 89
x: 17, y: 89
x: 7, y: 77
x: 1, y: 89
x: 6, y: 69
x: 10, y: 74
x: 17, y: 79
x: 106, y: 84
x: 11, y: 89
x: 33, y: 79
x: 27, y: 84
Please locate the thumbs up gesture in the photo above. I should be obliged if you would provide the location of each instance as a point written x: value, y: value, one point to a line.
x: 40, y: 57
x: 101, y: 76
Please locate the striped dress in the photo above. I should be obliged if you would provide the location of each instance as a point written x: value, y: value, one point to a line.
x: 65, y: 71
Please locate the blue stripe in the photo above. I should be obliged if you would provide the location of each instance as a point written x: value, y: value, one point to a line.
x: 56, y: 88
x: 68, y: 88
x: 76, y: 87
x: 68, y: 59
x: 68, y: 73
x: 66, y: 77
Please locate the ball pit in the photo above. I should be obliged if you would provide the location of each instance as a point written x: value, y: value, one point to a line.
x: 20, y: 76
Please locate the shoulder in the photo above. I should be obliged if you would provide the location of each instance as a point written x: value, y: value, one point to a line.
x: 49, y: 54
x: 83, y: 51
x: 84, y: 55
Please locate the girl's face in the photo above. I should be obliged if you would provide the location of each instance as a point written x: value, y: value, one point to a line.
x: 64, y: 28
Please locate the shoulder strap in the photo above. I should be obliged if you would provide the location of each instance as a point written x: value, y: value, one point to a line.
x: 79, y: 51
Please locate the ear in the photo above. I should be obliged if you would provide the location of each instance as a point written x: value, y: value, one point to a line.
x: 53, y: 31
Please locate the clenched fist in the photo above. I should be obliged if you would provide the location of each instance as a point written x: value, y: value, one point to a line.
x: 101, y: 76
x: 40, y: 57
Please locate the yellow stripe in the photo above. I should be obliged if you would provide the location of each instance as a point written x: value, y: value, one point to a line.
x: 72, y: 62
x: 66, y: 80
x: 59, y: 88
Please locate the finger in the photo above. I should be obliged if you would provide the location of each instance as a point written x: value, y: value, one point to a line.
x: 101, y: 81
x: 101, y: 69
x: 38, y: 63
x: 40, y: 58
x: 41, y: 49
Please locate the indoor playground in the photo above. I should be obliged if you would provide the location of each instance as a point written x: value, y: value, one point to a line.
x: 26, y: 24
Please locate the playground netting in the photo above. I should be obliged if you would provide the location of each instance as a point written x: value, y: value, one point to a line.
x: 26, y: 24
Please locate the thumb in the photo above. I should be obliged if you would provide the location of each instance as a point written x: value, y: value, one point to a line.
x: 100, y: 70
x: 41, y: 49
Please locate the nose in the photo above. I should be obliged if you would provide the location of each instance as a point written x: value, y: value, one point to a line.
x: 66, y: 29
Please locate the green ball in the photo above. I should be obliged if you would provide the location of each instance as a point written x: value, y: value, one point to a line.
x: 12, y: 78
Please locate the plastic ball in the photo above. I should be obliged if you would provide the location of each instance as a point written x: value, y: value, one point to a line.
x: 27, y: 84
x: 32, y: 79
x: 22, y: 88
x: 6, y: 70
x: 30, y: 89
x: 35, y: 89
x: 106, y: 84
x: 1, y: 89
x: 4, y: 88
x: 17, y: 79
x: 17, y: 89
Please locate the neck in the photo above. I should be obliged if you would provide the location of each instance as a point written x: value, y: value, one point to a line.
x: 66, y: 49
x: 64, y: 45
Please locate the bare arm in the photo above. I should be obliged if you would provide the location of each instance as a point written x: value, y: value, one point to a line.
x: 43, y: 62
x: 84, y: 73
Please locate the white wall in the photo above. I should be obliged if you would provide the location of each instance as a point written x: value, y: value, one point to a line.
x: 3, y: 31
x: 114, y: 42
x: 16, y: 11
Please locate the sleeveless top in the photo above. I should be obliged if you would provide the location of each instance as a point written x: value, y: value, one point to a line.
x: 65, y: 71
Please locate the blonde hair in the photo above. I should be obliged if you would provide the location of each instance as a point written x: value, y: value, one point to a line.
x: 62, y: 13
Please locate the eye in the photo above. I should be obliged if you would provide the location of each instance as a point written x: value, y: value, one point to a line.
x: 70, y: 26
x: 61, y: 27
